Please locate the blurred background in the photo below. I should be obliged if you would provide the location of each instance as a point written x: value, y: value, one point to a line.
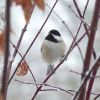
x: 63, y: 77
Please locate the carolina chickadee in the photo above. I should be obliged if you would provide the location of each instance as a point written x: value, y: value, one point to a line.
x: 53, y: 48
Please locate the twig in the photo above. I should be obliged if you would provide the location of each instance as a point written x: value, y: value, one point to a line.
x: 26, y: 63
x: 97, y: 97
x: 92, y: 76
x: 85, y: 92
x: 5, y: 69
x: 80, y: 18
x: 75, y: 41
x: 85, y: 79
x: 44, y: 84
x: 79, y: 40
x: 56, y: 87
x: 49, y: 90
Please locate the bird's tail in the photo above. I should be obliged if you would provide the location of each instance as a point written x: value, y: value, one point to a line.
x: 50, y: 69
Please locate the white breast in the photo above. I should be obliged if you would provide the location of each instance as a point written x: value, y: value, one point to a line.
x: 52, y: 52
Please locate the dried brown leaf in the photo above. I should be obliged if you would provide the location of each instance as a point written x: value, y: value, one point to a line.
x: 40, y: 4
x: 26, y: 5
x: 2, y: 43
x: 22, y: 69
x: 18, y: 2
x: 1, y: 96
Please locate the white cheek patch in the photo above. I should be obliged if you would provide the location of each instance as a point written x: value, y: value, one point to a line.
x: 58, y: 38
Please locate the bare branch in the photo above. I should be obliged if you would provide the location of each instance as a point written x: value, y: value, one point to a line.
x: 78, y: 73
x: 85, y: 79
x: 44, y: 84
x: 5, y: 69
x: 26, y: 63
x: 80, y: 18
x: 97, y: 97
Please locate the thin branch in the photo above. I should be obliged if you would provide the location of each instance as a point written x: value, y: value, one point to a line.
x: 44, y: 84
x: 85, y: 79
x: 56, y: 88
x: 49, y: 90
x: 75, y: 41
x: 79, y: 40
x: 23, y: 31
x: 80, y: 18
x: 5, y: 69
x: 97, y: 97
x: 95, y: 94
x: 78, y: 73
x: 26, y: 63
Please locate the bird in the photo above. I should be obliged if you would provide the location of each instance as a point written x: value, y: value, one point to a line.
x: 52, y: 49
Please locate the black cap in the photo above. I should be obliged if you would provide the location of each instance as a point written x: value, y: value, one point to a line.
x: 55, y: 32
x: 50, y: 36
